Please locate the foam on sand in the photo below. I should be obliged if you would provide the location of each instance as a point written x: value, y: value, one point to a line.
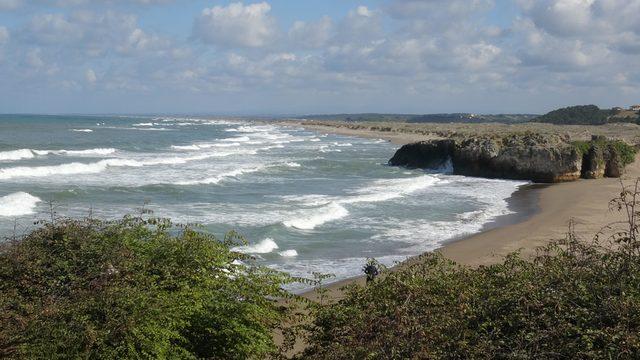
x: 263, y: 247
x: 82, y: 130
x: 18, y: 204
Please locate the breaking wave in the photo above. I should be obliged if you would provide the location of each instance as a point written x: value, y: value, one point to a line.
x: 100, y: 166
x: 380, y: 190
x: 317, y: 217
x: 18, y: 204
x: 13, y: 155
x: 21, y: 154
x: 263, y: 247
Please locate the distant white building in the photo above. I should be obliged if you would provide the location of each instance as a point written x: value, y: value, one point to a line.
x: 634, y: 107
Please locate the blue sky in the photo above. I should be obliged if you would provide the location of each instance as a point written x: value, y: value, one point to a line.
x: 312, y: 56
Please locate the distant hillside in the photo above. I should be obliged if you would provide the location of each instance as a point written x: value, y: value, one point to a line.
x: 587, y: 115
x: 472, y: 118
x: 427, y: 118
x: 361, y: 117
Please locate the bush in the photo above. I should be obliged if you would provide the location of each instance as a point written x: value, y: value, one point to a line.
x: 134, y: 289
x: 627, y: 152
x: 573, y: 300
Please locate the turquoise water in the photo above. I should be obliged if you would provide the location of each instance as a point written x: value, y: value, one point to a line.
x: 305, y: 201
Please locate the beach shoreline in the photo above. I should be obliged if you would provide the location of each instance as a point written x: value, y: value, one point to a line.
x: 542, y: 213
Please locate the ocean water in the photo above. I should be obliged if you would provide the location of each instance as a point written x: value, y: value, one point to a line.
x: 306, y: 202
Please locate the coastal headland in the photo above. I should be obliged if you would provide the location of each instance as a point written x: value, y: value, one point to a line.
x: 581, y: 199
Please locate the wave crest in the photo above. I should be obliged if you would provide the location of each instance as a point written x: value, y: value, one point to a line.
x: 18, y: 204
x: 263, y: 247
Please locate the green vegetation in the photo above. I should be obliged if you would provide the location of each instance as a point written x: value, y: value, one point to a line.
x: 137, y: 288
x: 573, y: 300
x: 134, y: 289
x: 577, y: 115
x: 626, y: 152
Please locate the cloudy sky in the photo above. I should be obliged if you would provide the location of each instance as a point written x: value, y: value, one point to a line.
x: 316, y: 56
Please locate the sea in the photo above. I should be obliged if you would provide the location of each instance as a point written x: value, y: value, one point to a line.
x: 305, y: 201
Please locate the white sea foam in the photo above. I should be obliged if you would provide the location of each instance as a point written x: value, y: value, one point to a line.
x: 88, y: 152
x: 144, y: 124
x: 288, y: 253
x: 237, y: 139
x: 13, y: 155
x: 100, y: 166
x: 317, y: 217
x: 333, y: 207
x: 217, y: 179
x: 388, y: 189
x: 263, y: 247
x: 292, y: 164
x: 82, y: 130
x: 18, y: 204
x: 203, y: 146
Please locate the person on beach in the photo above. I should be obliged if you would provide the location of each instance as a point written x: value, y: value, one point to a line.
x: 371, y: 269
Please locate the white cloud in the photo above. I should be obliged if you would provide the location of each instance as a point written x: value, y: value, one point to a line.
x: 237, y: 25
x: 4, y: 35
x: 10, y: 4
x: 33, y: 58
x: 52, y: 29
x: 90, y: 76
x: 312, y: 34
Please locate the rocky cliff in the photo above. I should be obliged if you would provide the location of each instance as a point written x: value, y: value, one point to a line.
x: 539, y: 158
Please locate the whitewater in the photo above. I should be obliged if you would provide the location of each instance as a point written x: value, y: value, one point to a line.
x: 305, y: 202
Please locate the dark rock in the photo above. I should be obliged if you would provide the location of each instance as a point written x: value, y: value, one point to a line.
x: 524, y: 157
x: 593, y: 163
x: 614, y: 166
x: 425, y: 154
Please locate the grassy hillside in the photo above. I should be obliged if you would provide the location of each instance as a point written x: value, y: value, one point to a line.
x: 586, y: 115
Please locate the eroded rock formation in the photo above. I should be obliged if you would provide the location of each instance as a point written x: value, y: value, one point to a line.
x: 535, y: 157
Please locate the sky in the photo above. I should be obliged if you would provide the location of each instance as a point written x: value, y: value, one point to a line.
x: 317, y: 56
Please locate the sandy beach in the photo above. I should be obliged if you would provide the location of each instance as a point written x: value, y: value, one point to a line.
x: 585, y: 202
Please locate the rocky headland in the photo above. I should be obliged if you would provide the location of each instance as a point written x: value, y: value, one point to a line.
x: 537, y: 152
x: 544, y: 158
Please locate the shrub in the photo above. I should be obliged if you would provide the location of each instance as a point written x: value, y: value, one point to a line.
x: 627, y: 152
x: 134, y: 288
x: 573, y: 300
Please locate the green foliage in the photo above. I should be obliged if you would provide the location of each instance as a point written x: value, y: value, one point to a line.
x: 134, y: 289
x: 626, y: 152
x: 565, y: 304
x: 572, y: 300
x: 582, y: 147
x: 576, y: 115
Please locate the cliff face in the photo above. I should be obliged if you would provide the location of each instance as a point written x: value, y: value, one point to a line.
x: 539, y: 158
